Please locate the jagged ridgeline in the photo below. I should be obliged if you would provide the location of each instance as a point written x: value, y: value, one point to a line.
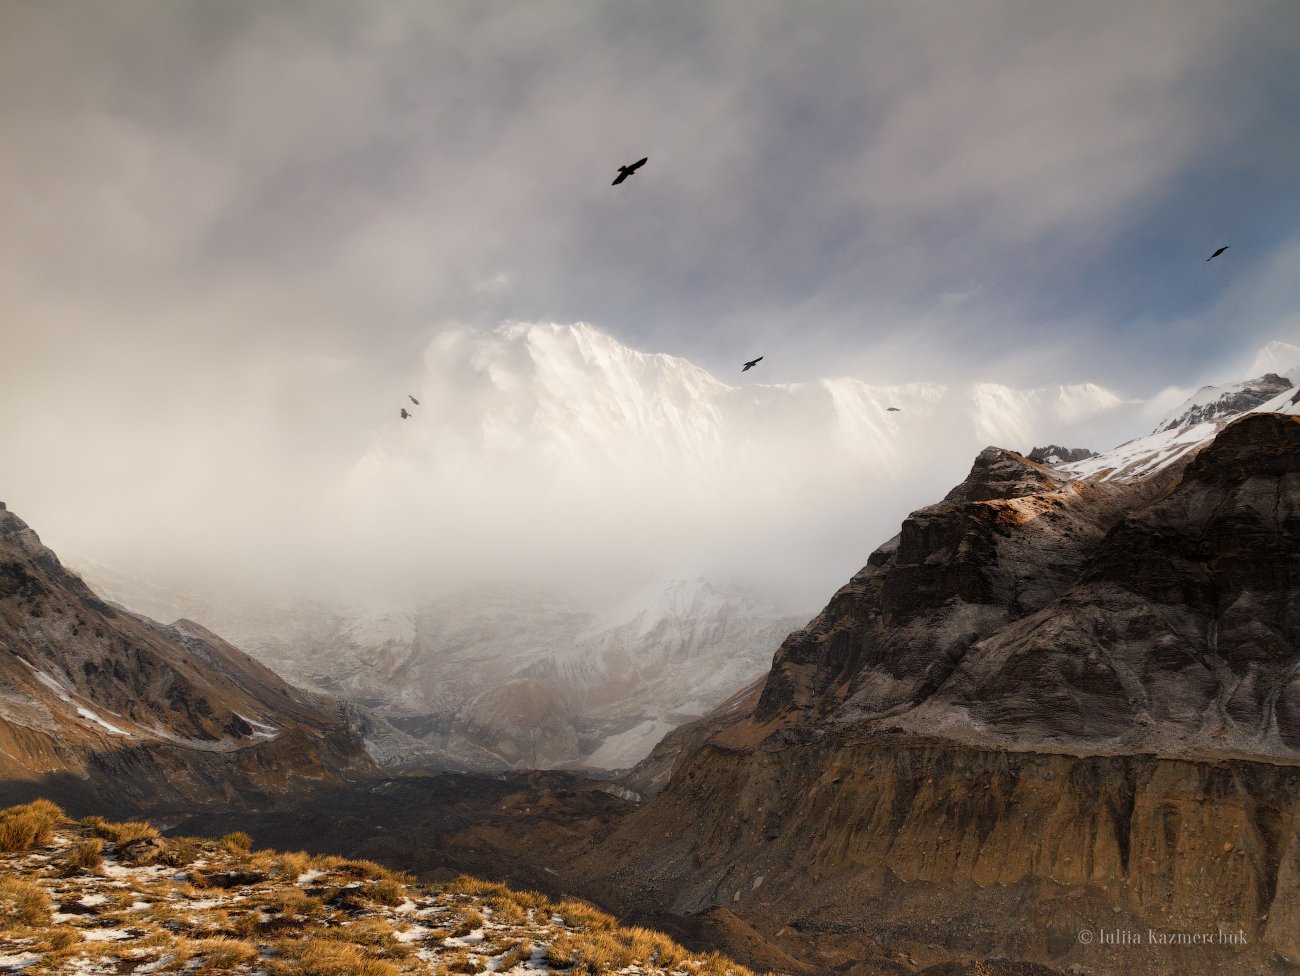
x: 91, y: 896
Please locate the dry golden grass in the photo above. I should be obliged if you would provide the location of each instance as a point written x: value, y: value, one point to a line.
x: 237, y: 842
x: 385, y: 891
x: 532, y: 901
x: 467, y: 885
x: 654, y: 948
x: 23, y: 903
x: 293, y: 903
x: 244, y: 913
x: 180, y: 852
x: 716, y: 964
x: 370, y: 870
x: 518, y: 953
x: 29, y: 825
x: 57, y: 937
x: 124, y: 833
x: 594, y: 952
x: 324, y: 957
x: 293, y: 864
x: 84, y: 858
x: 507, y: 911
x: 245, y: 925
x: 459, y: 961
x: 377, y: 935
x: 470, y: 919
x: 581, y: 915
x: 222, y: 954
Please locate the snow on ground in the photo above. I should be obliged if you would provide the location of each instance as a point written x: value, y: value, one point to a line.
x: 251, y: 906
x: 65, y: 696
x: 1142, y: 455
x: 1171, y: 443
x: 630, y: 747
x: 86, y: 713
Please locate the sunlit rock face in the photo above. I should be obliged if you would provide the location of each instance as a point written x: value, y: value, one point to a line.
x: 1068, y: 700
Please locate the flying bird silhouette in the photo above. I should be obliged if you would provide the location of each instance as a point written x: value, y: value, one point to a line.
x: 404, y: 413
x: 750, y: 365
x: 1217, y: 253
x: 625, y: 171
x: 891, y: 410
x: 413, y: 399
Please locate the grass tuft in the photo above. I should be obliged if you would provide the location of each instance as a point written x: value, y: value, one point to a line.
x: 85, y: 858
x: 29, y: 825
x: 23, y: 903
x: 237, y: 842
x: 581, y: 915
x: 324, y: 957
x: 123, y: 833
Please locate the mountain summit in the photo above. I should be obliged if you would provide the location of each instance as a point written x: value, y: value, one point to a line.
x: 1218, y: 402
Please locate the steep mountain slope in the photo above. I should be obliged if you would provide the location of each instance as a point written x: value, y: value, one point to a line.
x: 1189, y: 427
x: 1220, y: 402
x: 496, y: 675
x: 95, y: 700
x: 1048, y: 707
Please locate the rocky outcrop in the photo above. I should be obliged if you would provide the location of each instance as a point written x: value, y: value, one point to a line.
x: 1219, y: 402
x: 99, y: 705
x: 1052, y: 454
x: 1048, y: 706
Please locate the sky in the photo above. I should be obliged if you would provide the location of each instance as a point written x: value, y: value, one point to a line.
x: 232, y: 232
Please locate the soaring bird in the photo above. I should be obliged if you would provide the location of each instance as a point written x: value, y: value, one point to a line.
x: 413, y: 399
x: 625, y: 171
x: 1217, y: 253
x: 404, y: 413
x: 891, y: 409
x: 750, y: 365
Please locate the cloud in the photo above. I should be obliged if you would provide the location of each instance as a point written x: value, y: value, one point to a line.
x: 233, y: 231
x: 1275, y: 356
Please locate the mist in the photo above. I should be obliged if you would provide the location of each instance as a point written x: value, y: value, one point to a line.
x: 237, y: 236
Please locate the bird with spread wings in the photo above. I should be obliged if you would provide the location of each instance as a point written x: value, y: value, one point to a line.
x: 625, y: 171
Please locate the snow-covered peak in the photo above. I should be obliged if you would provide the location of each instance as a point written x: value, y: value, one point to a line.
x: 544, y: 403
x: 1193, y: 425
x: 536, y: 444
x: 1211, y: 403
x: 1288, y: 401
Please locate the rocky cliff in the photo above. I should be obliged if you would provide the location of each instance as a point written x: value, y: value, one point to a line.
x: 1048, y: 711
x: 101, y: 706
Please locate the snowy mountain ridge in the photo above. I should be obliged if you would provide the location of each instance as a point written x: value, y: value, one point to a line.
x: 1215, y: 402
x: 1188, y: 428
x: 570, y: 402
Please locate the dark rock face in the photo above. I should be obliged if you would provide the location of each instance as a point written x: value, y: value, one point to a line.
x: 101, y: 707
x: 1161, y: 615
x: 1052, y: 454
x: 1064, y: 703
x: 1233, y: 400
